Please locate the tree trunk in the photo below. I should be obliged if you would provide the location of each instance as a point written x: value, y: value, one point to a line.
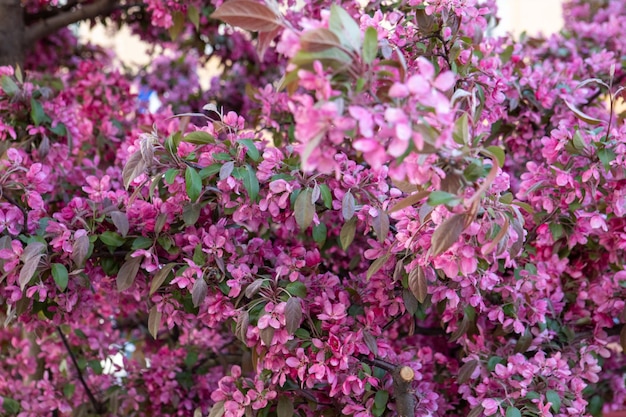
x: 11, y: 33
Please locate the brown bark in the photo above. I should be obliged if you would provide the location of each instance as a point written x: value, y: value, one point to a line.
x: 11, y: 33
x: 45, y: 27
x: 16, y: 38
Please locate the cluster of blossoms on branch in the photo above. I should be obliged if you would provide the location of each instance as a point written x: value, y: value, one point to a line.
x: 404, y: 217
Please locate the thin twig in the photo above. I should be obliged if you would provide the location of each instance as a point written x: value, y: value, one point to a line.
x: 98, y: 406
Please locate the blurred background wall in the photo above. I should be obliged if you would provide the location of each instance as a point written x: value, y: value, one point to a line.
x: 532, y: 16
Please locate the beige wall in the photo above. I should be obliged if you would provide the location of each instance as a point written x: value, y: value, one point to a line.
x: 532, y: 16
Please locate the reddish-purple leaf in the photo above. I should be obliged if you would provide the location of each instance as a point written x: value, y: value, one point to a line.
x: 120, y: 220
x: 248, y: 15
x: 160, y: 277
x: 31, y: 256
x: 466, y: 371
x: 199, y: 291
x: 241, y: 326
x: 398, y: 270
x: 254, y: 287
x: 503, y: 231
x: 264, y: 40
x: 135, y: 166
x: 303, y: 209
x: 410, y: 201
x: 376, y: 266
x: 476, y: 412
x: 319, y: 39
x: 348, y: 206
x: 293, y: 315
x: 226, y: 169
x: 127, y: 273
x: 447, y: 234
x: 418, y: 284
x: 410, y: 302
x: 80, y: 249
x: 285, y: 407
x: 524, y: 342
x: 380, y: 224
x: 154, y: 321
x: 370, y: 342
x: 462, y: 328
x: 581, y: 115
x: 267, y: 335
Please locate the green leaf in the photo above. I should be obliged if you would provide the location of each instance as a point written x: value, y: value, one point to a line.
x: 193, y: 183
x: 461, y: 130
x: 170, y: 175
x: 222, y: 156
x: 326, y: 196
x: 251, y: 182
x: 533, y: 395
x: 370, y: 45
x: 554, y: 398
x: 498, y: 152
x: 36, y: 112
x: 112, y: 239
x: 96, y: 365
x: 60, y: 275
x: 333, y: 57
x: 198, y: 138
x: 210, y: 170
x: 606, y: 156
x: 141, y: 243
x: 178, y: 19
x: 345, y: 27
x: 59, y: 129
x: 319, y: 234
x: 10, y: 405
x: 285, y: 407
x: 557, y: 230
x: 380, y: 402
x: 513, y: 412
x: 191, y: 213
x: 578, y: 141
x: 441, y: 197
x: 194, y: 16
x: 296, y: 289
x: 68, y: 390
x: 493, y: 361
x: 251, y: 150
x: 9, y: 86
x: 348, y: 231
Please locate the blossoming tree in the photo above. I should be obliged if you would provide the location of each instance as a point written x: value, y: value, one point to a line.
x: 381, y: 211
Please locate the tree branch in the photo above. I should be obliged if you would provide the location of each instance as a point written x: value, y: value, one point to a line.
x: 402, y: 377
x: 30, y: 18
x: 45, y: 27
x: 98, y: 406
